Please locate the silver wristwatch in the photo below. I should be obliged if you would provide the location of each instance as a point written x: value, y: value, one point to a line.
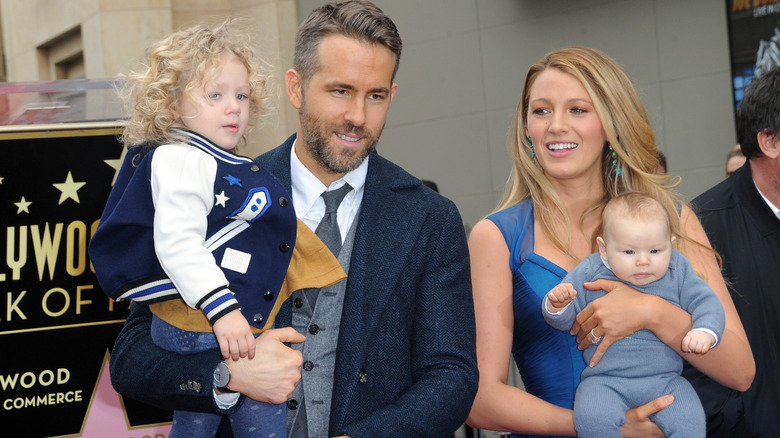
x: 222, y: 376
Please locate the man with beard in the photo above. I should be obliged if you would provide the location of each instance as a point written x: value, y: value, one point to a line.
x: 741, y: 216
x: 391, y: 350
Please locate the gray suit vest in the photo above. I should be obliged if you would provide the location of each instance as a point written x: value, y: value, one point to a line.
x: 316, y: 313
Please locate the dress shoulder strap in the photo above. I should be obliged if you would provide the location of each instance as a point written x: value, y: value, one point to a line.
x: 517, y: 225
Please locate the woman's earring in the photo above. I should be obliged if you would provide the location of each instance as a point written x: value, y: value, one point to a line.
x: 617, y: 170
x: 531, y: 143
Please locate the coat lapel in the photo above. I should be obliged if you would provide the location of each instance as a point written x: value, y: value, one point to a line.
x: 371, y: 280
x: 277, y: 161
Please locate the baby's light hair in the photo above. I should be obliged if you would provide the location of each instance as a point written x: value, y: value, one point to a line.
x: 635, y: 205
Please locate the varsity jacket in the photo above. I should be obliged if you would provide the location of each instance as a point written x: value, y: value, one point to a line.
x: 196, y: 222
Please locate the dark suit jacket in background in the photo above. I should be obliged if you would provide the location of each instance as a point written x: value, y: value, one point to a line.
x: 407, y: 325
x: 746, y: 233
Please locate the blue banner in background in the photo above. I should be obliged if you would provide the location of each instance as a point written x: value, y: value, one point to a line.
x: 754, y: 40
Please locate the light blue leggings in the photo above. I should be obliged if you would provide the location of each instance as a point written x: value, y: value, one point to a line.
x: 601, y: 402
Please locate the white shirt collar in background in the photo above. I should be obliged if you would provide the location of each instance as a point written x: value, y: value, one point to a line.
x: 774, y: 208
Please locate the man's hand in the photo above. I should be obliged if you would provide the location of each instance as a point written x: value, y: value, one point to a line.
x: 273, y: 374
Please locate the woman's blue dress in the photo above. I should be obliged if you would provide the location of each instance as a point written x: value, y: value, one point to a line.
x: 548, y: 359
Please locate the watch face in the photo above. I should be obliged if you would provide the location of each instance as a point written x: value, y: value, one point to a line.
x: 221, y: 375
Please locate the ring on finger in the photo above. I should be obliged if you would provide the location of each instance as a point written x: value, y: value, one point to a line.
x: 596, y: 339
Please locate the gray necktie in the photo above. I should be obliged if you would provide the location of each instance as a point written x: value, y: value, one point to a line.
x: 328, y: 229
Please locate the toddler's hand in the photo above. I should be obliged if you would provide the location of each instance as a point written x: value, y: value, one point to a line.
x: 234, y: 336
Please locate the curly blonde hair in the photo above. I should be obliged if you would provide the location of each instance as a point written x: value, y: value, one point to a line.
x: 177, y: 65
x: 628, y: 132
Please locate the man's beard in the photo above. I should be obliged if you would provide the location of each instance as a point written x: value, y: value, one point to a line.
x: 316, y: 135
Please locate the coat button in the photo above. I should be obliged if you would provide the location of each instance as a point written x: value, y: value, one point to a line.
x: 298, y: 302
x: 308, y: 365
x: 363, y: 377
x: 314, y: 329
x: 284, y: 247
x: 292, y: 404
x: 283, y: 201
x: 268, y: 295
x: 258, y: 318
x: 189, y: 385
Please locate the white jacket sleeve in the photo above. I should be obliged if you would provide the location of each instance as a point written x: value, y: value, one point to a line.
x: 183, y: 193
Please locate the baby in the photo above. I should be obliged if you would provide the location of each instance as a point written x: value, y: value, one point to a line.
x: 636, y: 248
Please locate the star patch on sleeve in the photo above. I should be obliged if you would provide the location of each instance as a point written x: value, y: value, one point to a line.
x: 232, y: 180
x: 221, y: 199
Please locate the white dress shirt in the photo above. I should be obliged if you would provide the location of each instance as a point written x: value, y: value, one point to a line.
x: 306, y: 191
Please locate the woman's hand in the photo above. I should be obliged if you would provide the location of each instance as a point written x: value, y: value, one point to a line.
x: 638, y: 422
x: 621, y: 312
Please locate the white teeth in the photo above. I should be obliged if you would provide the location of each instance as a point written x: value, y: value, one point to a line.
x: 561, y: 146
x: 347, y: 138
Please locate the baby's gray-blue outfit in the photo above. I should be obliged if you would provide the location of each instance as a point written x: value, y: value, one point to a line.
x: 639, y: 368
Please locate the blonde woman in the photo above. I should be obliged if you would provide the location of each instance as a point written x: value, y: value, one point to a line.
x: 580, y: 137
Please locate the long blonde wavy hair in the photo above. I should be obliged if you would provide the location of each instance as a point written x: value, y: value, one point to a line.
x: 627, y: 130
x: 174, y: 67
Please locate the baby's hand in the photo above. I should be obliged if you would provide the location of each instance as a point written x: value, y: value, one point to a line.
x: 697, y: 341
x: 560, y: 296
x: 234, y: 336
